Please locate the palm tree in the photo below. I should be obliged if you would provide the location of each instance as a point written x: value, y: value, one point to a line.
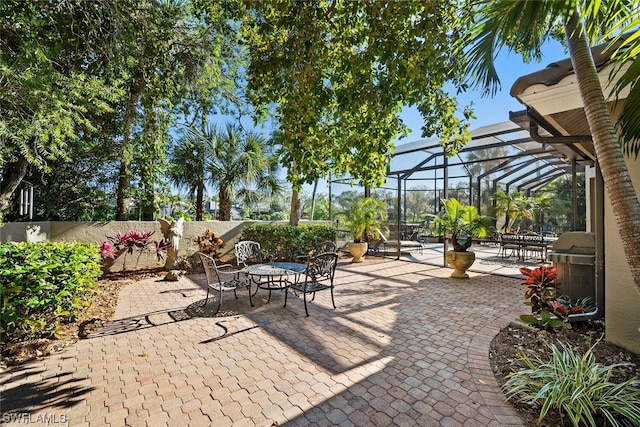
x: 480, y: 161
x: 244, y: 166
x: 511, y: 205
x: 541, y: 205
x: 188, y: 160
x: 524, y: 26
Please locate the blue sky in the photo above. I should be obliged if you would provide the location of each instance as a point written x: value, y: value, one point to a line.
x: 493, y: 110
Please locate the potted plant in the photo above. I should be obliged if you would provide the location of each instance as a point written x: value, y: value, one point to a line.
x: 461, y: 221
x: 363, y: 219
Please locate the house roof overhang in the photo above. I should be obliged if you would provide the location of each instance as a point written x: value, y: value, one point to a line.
x: 554, y: 109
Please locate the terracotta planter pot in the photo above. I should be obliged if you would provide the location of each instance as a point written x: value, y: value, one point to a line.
x: 357, y: 250
x: 460, y: 262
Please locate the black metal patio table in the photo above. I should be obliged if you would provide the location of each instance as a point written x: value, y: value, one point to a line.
x: 274, y: 275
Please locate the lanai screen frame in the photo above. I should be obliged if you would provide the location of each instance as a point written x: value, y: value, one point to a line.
x: 514, y: 171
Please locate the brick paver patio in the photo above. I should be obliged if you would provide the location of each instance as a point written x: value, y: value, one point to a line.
x: 406, y: 346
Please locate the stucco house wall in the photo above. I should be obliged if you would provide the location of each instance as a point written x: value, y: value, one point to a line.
x: 622, y: 300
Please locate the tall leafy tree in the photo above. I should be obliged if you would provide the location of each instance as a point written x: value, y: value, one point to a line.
x: 51, y: 89
x: 74, y: 191
x: 336, y: 74
x: 419, y: 202
x: 524, y: 26
x: 162, y: 50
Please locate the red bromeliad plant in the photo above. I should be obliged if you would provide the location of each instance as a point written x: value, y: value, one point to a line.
x: 107, y: 251
x: 542, y: 293
x: 125, y: 243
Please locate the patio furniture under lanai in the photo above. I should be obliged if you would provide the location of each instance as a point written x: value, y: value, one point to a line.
x: 510, y: 243
x: 534, y: 243
x: 523, y: 245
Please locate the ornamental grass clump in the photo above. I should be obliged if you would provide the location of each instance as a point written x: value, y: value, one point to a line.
x: 577, y: 387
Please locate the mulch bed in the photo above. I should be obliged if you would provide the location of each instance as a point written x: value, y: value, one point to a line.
x: 103, y: 305
x: 516, y: 339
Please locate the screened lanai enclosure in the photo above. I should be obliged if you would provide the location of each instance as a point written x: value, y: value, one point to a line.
x: 546, y: 144
x: 514, y: 156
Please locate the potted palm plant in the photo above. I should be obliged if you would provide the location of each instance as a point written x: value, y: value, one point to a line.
x: 363, y: 219
x: 460, y: 221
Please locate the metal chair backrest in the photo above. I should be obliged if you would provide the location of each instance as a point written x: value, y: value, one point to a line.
x: 322, y: 267
x: 248, y: 252
x: 326, y: 247
x: 510, y: 238
x: 532, y: 238
x: 209, y: 266
x: 222, y: 278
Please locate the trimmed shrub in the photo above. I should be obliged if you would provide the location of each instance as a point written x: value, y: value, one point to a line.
x: 43, y: 285
x: 284, y: 242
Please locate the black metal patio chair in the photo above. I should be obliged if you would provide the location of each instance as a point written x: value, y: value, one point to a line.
x: 322, y: 247
x: 317, y: 277
x: 223, y: 278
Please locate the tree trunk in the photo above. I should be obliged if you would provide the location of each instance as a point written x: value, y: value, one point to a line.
x: 124, y: 184
x: 200, y: 201
x: 9, y: 185
x: 313, y: 200
x: 124, y: 180
x: 224, y: 207
x: 294, y: 214
x: 618, y: 184
x: 147, y: 205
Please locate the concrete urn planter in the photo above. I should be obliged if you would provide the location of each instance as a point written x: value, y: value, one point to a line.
x: 460, y: 262
x: 357, y: 250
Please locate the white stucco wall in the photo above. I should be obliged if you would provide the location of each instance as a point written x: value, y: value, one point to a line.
x: 622, y: 300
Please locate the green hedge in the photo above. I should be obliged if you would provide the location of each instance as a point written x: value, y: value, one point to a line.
x: 284, y: 242
x: 43, y: 285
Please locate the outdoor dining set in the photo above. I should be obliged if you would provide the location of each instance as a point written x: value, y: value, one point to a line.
x: 523, y: 245
x: 308, y: 274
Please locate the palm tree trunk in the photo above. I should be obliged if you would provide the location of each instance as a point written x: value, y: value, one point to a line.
x: 224, y: 207
x: 200, y: 201
x: 618, y: 184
